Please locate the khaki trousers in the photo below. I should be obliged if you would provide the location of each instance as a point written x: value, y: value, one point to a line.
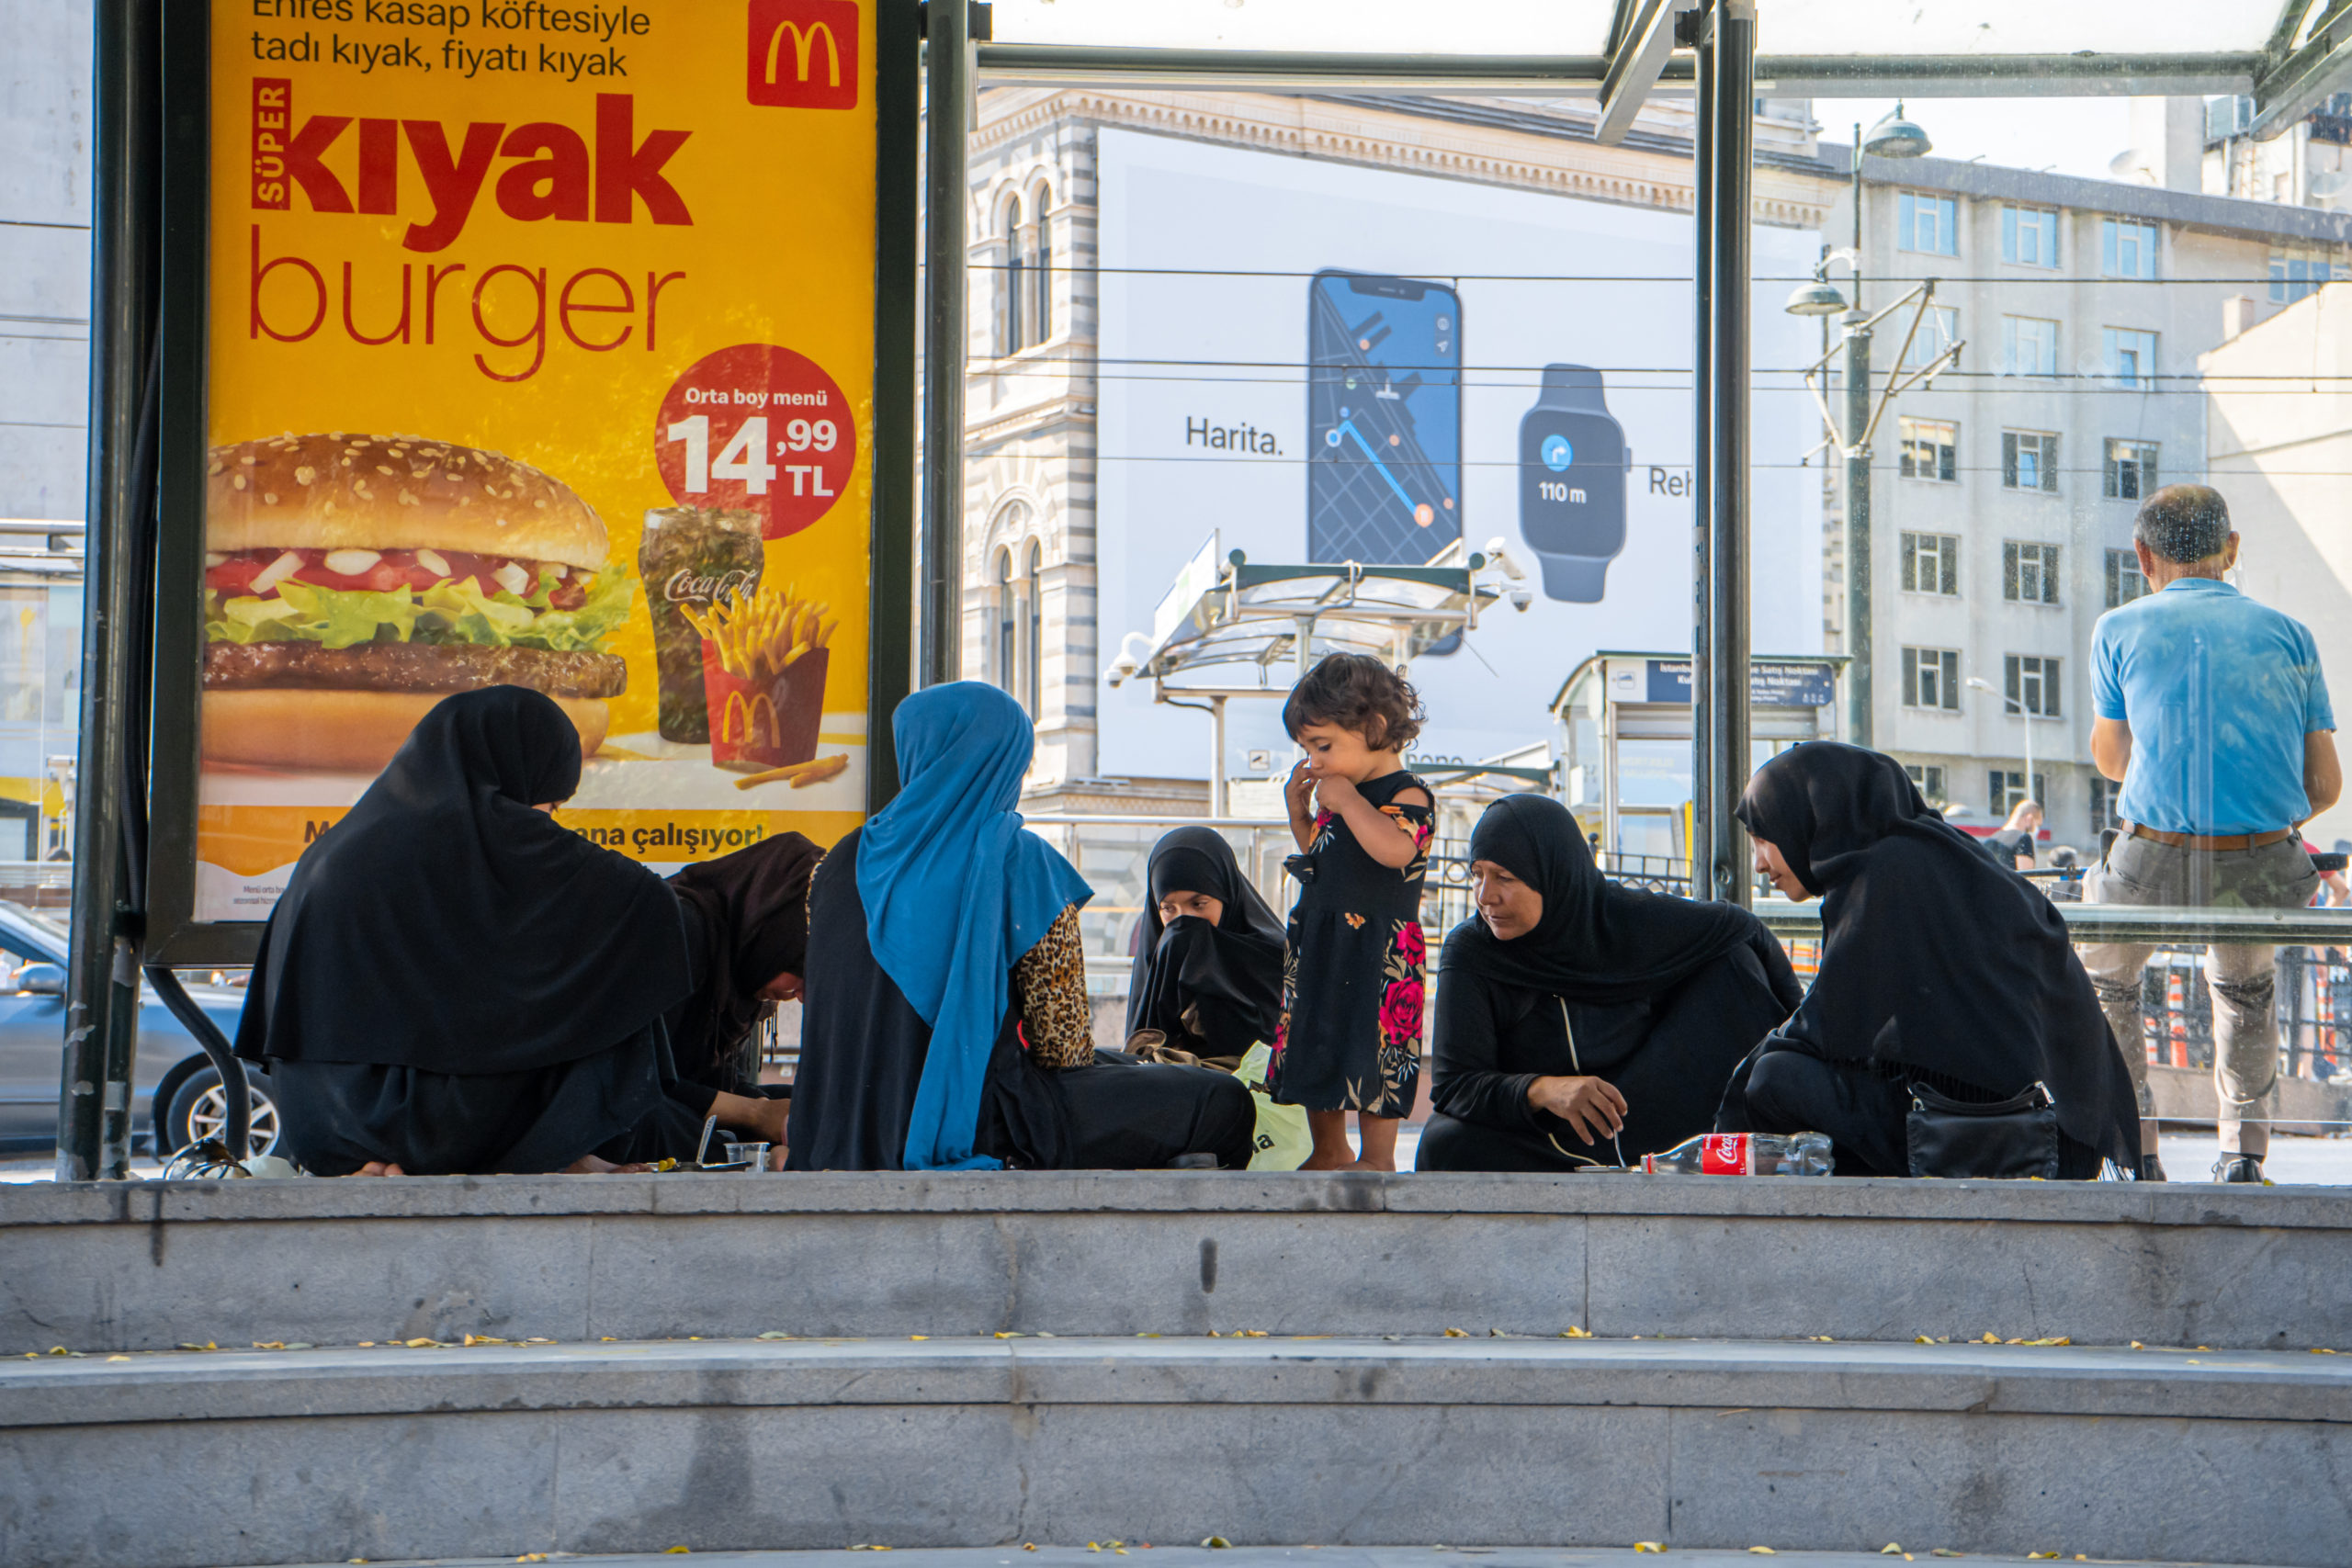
x: 2242, y: 979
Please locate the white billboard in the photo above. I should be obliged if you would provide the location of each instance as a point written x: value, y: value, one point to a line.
x: 1321, y: 363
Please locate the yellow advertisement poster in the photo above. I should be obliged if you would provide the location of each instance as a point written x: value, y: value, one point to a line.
x: 540, y: 352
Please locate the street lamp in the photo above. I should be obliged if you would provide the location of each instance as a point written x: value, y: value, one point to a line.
x: 1981, y: 684
x: 1893, y: 136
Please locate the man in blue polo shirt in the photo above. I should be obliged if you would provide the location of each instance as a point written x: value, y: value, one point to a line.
x: 2212, y: 712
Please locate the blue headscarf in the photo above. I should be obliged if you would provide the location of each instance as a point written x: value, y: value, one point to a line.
x: 955, y: 890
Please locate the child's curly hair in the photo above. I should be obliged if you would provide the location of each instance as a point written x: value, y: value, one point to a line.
x: 1356, y: 692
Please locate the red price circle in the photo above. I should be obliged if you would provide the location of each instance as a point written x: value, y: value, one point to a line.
x: 757, y: 428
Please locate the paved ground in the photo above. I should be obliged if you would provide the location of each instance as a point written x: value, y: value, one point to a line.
x: 1101, y: 1553
x: 2325, y: 1162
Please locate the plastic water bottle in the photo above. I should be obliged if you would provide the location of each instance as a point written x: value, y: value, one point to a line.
x: 1744, y: 1154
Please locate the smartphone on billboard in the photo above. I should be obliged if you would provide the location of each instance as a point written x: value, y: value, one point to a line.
x: 1384, y: 419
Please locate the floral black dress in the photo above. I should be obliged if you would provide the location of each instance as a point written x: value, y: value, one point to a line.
x: 1353, y: 963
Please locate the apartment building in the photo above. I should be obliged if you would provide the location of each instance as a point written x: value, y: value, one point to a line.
x: 2003, y: 495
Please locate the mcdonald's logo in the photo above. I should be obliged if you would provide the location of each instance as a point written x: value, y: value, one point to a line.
x: 741, y: 721
x: 802, y: 54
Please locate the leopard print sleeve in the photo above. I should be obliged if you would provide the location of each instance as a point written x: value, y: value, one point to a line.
x: 1049, y: 987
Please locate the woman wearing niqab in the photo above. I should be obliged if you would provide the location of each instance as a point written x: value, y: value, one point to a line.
x: 1938, y: 968
x: 945, y: 1025
x: 455, y: 982
x: 1615, y: 1006
x: 1211, y: 988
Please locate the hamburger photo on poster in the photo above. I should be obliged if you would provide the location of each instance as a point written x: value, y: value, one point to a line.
x: 539, y: 378
x: 352, y: 581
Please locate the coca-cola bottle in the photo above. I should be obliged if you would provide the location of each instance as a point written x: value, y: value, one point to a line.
x: 1744, y: 1154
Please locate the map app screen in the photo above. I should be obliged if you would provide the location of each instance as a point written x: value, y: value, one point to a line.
x: 1384, y: 419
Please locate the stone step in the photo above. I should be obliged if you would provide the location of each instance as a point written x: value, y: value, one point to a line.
x: 160, y: 1460
x: 148, y: 1265
x: 1244, y: 1557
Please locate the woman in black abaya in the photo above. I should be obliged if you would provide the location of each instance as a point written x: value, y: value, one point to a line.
x: 1937, y: 967
x: 454, y: 982
x: 747, y: 944
x: 1580, y: 1022
x: 1208, y: 967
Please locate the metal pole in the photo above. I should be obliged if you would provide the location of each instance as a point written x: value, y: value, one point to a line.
x: 102, y: 969
x: 1858, y: 488
x: 1218, y: 787
x: 1703, y: 685
x: 1726, y: 108
x: 948, y: 96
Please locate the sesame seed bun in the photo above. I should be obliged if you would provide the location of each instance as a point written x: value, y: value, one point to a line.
x: 340, y: 732
x: 335, y: 490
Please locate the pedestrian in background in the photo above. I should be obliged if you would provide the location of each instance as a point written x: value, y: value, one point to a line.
x: 2212, y: 713
x: 2013, y: 845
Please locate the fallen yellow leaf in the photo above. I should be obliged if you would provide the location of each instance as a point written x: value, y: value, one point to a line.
x: 1763, y: 1552
x: 1450, y: 1333
x: 918, y: 1338
x: 1991, y: 1338
x: 117, y: 1357
x: 419, y: 1344
x: 532, y: 1557
x: 1216, y: 1542
x: 269, y: 1344
x: 2322, y: 1350
x: 676, y: 1551
x: 1573, y: 1332
x: 1890, y: 1549
x: 1008, y: 1333
x: 1923, y: 1339
x: 772, y: 1334
x: 1649, y: 1546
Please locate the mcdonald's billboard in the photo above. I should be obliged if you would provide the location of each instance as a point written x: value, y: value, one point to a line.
x: 538, y: 346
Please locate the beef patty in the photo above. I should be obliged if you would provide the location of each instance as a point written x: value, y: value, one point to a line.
x: 411, y: 667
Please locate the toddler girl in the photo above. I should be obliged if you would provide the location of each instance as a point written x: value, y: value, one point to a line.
x: 1350, y: 1035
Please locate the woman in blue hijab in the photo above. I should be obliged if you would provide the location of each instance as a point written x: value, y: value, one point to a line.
x: 945, y: 1023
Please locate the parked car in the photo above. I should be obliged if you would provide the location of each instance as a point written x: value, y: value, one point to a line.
x: 176, y: 1095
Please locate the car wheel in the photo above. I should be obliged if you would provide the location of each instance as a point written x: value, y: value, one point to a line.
x: 200, y: 1110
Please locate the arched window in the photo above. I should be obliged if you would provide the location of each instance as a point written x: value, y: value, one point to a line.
x: 1014, y: 289
x: 1041, y: 267
x: 1003, y: 651
x: 1034, y: 592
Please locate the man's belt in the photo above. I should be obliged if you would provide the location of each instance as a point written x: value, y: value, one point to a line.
x: 2208, y: 841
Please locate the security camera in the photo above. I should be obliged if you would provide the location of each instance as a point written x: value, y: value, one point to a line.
x: 1521, y: 598
x: 1499, y: 558
x: 1120, y: 668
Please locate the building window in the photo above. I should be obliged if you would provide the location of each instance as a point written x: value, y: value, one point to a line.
x: 1927, y: 223
x: 1929, y: 780
x: 2029, y: 236
x: 2031, y: 684
x: 2130, y: 469
x: 1004, y: 647
x: 2029, y: 461
x: 2028, y: 347
x: 1025, y: 289
x: 1032, y: 597
x: 1930, y: 450
x: 2126, y: 250
x: 2294, y: 277
x: 2131, y: 356
x: 2106, y: 796
x: 2029, y: 572
x: 2125, y: 581
x: 1931, y: 563
x: 1939, y: 330
x: 1931, y: 677
x: 2005, y: 788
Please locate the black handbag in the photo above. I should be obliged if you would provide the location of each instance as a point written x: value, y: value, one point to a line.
x: 2012, y: 1138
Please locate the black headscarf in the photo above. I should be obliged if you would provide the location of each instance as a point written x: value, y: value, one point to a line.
x: 754, y: 910
x: 444, y: 925
x: 1933, y: 956
x: 1233, y: 970
x: 1597, y: 942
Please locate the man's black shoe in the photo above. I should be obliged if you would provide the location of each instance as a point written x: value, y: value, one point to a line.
x: 2150, y: 1169
x: 2237, y: 1168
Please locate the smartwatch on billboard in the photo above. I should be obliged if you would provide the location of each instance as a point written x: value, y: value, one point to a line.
x: 1572, y: 465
